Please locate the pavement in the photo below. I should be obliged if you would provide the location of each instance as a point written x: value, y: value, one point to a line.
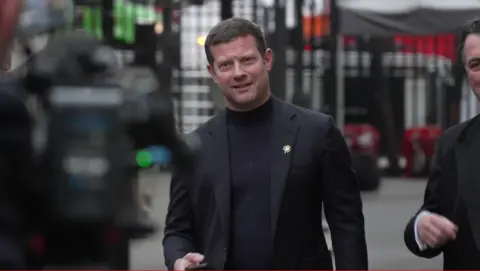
x: 386, y: 213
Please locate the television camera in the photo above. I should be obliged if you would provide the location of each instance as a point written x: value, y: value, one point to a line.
x: 93, y: 118
x: 96, y: 116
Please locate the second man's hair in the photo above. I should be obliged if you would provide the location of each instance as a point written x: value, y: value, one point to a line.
x: 471, y: 27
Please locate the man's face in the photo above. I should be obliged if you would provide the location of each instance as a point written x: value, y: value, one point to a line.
x: 471, y: 53
x: 241, y: 72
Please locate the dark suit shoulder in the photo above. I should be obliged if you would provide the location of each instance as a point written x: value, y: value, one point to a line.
x: 311, y: 117
x: 450, y: 136
x: 442, y: 175
x: 203, y: 128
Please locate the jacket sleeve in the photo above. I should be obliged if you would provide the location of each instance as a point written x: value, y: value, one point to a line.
x: 431, y: 204
x: 179, y: 224
x: 343, y: 203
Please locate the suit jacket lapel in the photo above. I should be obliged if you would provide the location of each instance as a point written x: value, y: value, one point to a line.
x: 467, y: 151
x: 219, y: 147
x: 285, y: 130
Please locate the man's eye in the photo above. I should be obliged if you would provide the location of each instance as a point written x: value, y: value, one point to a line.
x: 474, y: 65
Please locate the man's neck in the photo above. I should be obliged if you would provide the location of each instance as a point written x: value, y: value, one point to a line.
x: 258, y: 115
x: 252, y: 106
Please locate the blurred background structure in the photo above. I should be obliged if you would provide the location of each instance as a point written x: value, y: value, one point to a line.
x: 388, y: 71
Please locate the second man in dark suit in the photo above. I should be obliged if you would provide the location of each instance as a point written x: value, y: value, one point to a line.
x: 449, y: 220
x: 266, y: 169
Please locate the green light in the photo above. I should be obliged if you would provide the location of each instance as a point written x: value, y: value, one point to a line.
x: 126, y: 15
x: 144, y: 159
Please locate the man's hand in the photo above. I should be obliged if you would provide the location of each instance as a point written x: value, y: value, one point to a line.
x: 191, y: 259
x: 435, y: 230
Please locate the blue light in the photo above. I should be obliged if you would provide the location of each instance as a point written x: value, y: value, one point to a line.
x: 160, y: 155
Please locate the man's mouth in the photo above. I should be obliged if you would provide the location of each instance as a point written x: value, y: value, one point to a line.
x: 242, y: 86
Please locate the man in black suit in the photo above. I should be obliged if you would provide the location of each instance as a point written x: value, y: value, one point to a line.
x: 449, y: 220
x: 266, y: 169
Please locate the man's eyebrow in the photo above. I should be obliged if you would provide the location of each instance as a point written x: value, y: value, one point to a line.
x: 225, y: 60
x: 249, y: 53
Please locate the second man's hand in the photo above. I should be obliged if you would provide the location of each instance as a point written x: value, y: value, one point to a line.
x: 189, y: 260
x: 435, y: 230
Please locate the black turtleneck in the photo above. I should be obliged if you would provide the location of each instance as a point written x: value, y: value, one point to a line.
x: 249, y: 135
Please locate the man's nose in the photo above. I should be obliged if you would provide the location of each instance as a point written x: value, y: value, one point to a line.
x: 238, y: 72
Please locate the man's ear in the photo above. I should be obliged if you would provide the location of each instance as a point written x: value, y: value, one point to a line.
x: 211, y: 70
x: 268, y: 58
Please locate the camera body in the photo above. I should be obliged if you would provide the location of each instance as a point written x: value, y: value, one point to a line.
x: 91, y: 134
x: 89, y: 152
x: 97, y: 116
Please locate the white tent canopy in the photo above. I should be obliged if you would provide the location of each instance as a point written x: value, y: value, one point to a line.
x: 387, y: 17
x: 390, y: 6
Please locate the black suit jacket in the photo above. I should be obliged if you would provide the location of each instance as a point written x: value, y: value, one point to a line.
x: 317, y: 171
x: 453, y: 191
x: 18, y: 205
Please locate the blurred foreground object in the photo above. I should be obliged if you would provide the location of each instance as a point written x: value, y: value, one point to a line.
x: 7, y: 63
x: 23, y: 21
x: 9, y: 13
x: 93, y: 128
x: 20, y: 20
x: 97, y: 116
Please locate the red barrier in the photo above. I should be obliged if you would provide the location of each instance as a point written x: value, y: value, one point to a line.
x: 362, y: 138
x: 418, y: 149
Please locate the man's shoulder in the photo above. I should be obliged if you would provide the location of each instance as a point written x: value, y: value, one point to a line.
x: 453, y: 133
x: 312, y: 117
x: 205, y: 127
x: 312, y: 122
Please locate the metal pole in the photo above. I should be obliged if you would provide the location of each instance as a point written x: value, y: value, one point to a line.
x: 226, y: 9
x: 382, y: 92
x: 297, y: 42
x: 169, y: 70
x: 340, y: 78
x: 279, y: 69
x: 107, y: 20
x: 166, y: 48
x: 337, y: 99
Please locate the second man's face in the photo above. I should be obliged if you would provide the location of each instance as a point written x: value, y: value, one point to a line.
x: 471, y: 52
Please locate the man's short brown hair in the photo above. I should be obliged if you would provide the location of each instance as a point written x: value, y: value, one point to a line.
x: 230, y: 29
